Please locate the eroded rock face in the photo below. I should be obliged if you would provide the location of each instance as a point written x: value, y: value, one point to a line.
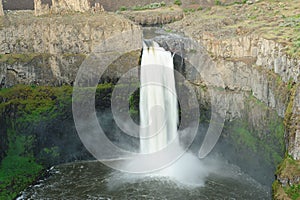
x: 49, y: 50
x: 248, y: 63
x: 267, y: 53
x: 239, y: 73
x: 294, y: 126
x: 248, y: 83
x: 73, y: 5
x: 155, y: 17
x: 65, y: 6
x: 1, y: 9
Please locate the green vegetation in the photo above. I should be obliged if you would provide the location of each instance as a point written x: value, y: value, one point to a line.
x: 199, y: 8
x: 150, y: 6
x: 285, y: 192
x: 22, y: 58
x: 22, y: 108
x: 134, y: 104
x: 28, y: 105
x: 289, y: 110
x: 146, y: 7
x: 19, y: 168
x: 189, y: 10
x: 288, y: 169
x: 293, y: 21
x: 218, y: 2
x: 123, y: 8
x: 293, y: 191
x: 178, y: 2
x: 32, y: 104
x: 242, y: 136
x: 264, y: 138
x: 50, y: 154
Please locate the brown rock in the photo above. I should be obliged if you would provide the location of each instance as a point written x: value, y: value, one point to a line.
x: 1, y: 9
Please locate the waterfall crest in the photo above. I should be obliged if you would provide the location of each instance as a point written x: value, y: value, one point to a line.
x: 158, y: 99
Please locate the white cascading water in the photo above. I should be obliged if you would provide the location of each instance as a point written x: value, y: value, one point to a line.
x: 158, y: 100
x: 159, y: 117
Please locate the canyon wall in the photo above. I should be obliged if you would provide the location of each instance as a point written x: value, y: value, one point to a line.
x: 161, y: 16
x: 1, y: 9
x: 50, y: 50
x: 268, y: 57
x: 253, y: 127
x: 65, y: 6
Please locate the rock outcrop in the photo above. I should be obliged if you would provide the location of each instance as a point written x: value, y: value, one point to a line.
x: 1, y: 9
x: 293, y: 124
x: 250, y: 58
x: 70, y: 5
x: 50, y: 50
x: 155, y: 17
x: 65, y: 6
x: 262, y: 61
x: 40, y: 8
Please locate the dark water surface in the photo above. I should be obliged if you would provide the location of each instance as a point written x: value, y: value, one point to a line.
x: 93, y: 180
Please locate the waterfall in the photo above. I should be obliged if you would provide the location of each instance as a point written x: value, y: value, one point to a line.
x: 158, y: 100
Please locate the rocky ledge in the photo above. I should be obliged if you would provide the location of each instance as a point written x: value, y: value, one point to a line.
x: 163, y: 15
x: 250, y: 42
x: 49, y: 50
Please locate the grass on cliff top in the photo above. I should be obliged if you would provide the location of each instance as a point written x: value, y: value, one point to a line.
x: 146, y: 7
x: 24, y: 20
x: 22, y: 58
x: 272, y: 19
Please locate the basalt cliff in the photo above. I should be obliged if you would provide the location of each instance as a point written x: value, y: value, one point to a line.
x: 247, y: 52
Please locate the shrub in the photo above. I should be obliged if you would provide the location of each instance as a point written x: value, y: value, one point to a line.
x: 178, y: 2
x: 123, y: 8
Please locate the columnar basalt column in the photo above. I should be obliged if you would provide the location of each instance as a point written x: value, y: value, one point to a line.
x: 1, y: 8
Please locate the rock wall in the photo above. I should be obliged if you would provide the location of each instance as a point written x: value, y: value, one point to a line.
x: 246, y: 64
x: 154, y: 17
x: 267, y: 53
x: 233, y: 73
x: 227, y: 87
x: 1, y: 9
x: 70, y: 5
x: 270, y: 57
x: 65, y: 6
x: 50, y: 50
x: 293, y: 124
x: 40, y: 8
